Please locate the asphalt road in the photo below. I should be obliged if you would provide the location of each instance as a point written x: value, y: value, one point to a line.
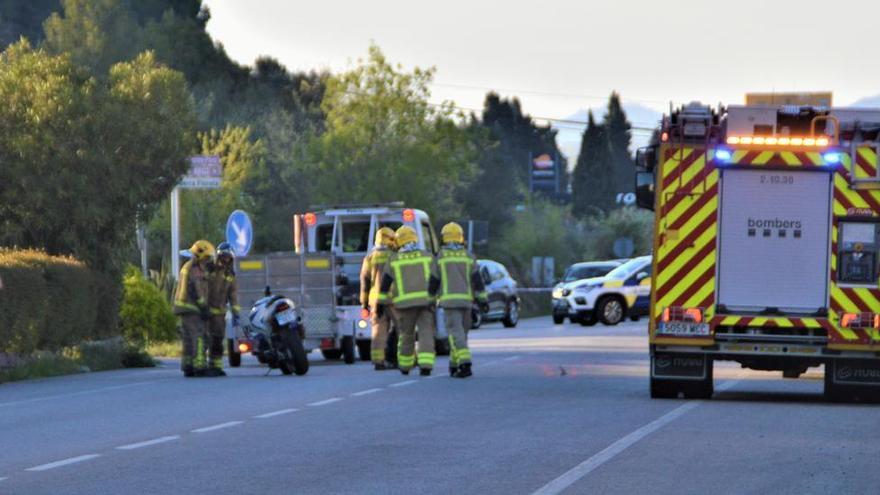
x: 551, y: 409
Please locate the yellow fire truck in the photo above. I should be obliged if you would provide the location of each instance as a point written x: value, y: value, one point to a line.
x: 767, y: 245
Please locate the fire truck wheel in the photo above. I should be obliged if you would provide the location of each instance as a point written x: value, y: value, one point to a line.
x: 331, y: 354
x: 364, y: 349
x: 611, y: 310
x: 233, y: 354
x: 348, y: 349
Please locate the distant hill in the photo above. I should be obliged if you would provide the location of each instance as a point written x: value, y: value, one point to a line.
x: 569, y: 135
x: 868, y: 101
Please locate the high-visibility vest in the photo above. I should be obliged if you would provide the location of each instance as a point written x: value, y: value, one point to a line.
x: 222, y: 291
x: 458, y: 279
x: 191, y: 293
x: 371, y: 276
x: 411, y: 274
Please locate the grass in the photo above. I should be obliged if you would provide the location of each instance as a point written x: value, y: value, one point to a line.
x: 165, y: 349
x: 92, y: 356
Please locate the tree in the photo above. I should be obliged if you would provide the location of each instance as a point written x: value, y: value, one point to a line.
x: 83, y: 159
x: 593, y: 182
x: 618, y: 129
x: 385, y: 141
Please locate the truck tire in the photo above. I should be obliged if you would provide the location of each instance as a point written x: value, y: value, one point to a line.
x: 611, y: 310
x: 232, y: 354
x: 348, y: 349
x: 331, y: 354
x: 511, y: 316
x: 364, y: 350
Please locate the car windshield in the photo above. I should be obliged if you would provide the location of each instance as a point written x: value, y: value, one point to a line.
x: 627, y: 269
x: 355, y: 236
x: 582, y: 272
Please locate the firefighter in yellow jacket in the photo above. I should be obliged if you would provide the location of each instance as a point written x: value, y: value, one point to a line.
x: 222, y: 296
x: 410, y: 281
x: 371, y: 278
x: 460, y: 286
x: 191, y: 305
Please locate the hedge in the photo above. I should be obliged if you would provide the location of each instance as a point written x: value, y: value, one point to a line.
x: 49, y: 302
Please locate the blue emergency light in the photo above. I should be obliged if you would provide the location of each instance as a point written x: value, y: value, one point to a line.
x: 831, y: 158
x: 722, y: 155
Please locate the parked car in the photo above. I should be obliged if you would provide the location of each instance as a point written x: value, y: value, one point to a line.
x: 504, y: 301
x: 575, y: 273
x: 624, y: 291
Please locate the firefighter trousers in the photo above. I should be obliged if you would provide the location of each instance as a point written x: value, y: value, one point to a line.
x: 193, y: 330
x: 408, y: 321
x: 381, y: 326
x: 458, y: 320
x: 216, y: 336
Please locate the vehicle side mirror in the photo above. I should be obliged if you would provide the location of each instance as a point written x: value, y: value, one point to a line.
x: 645, y: 190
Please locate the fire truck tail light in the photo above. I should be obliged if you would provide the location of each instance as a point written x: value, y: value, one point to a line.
x: 365, y: 313
x: 409, y: 215
x: 311, y: 219
x: 860, y: 320
x: 677, y: 313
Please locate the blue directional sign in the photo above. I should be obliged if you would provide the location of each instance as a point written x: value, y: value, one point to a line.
x: 240, y: 232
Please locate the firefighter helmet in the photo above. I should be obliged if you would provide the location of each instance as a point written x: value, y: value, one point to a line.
x: 202, y: 250
x: 452, y: 233
x: 225, y: 253
x: 385, y: 238
x: 406, y: 235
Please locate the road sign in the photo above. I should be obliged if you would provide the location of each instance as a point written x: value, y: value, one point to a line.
x: 623, y: 247
x: 240, y: 232
x: 205, y: 172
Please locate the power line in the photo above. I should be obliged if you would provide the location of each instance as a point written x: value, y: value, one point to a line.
x: 542, y: 93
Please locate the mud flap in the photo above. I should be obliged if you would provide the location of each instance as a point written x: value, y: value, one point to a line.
x: 666, y: 366
x: 852, y: 379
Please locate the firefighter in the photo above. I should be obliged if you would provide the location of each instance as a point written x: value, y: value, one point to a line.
x: 410, y: 281
x: 222, y: 296
x: 460, y: 286
x: 371, y: 277
x: 191, y: 305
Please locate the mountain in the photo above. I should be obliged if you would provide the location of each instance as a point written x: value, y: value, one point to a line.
x: 868, y: 101
x: 569, y: 135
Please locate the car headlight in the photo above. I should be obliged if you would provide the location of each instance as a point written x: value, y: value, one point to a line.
x: 557, y: 293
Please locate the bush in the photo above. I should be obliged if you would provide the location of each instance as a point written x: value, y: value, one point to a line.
x: 630, y: 222
x: 52, y: 302
x: 145, y: 315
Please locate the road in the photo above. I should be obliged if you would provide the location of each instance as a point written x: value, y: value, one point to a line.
x: 551, y: 409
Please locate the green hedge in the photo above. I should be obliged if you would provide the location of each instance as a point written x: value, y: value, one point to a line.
x: 48, y: 302
x: 145, y: 316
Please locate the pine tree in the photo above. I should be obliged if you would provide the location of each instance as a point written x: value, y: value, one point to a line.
x: 619, y: 139
x: 593, y: 186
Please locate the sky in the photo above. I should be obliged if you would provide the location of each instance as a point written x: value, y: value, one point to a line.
x: 562, y: 57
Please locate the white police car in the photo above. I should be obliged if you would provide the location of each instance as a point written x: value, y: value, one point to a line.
x: 625, y: 291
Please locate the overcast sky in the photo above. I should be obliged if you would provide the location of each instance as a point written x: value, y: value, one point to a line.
x: 563, y: 56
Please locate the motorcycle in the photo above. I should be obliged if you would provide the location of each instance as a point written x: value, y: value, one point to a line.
x: 274, y: 333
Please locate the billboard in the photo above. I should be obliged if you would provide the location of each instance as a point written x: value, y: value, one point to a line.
x: 544, y: 173
x: 205, y: 172
x: 816, y: 99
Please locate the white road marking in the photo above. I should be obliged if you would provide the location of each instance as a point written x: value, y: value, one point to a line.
x: 64, y: 462
x: 75, y: 394
x: 581, y: 470
x: 366, y: 392
x: 324, y: 402
x: 147, y: 443
x: 275, y: 413
x: 511, y: 358
x: 4, y: 478
x: 217, y: 427
x: 403, y: 383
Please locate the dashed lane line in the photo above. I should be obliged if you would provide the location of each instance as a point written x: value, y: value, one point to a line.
x: 324, y: 402
x: 148, y: 443
x: 366, y: 392
x: 63, y: 462
x: 578, y: 472
x: 217, y: 427
x: 276, y: 413
x: 76, y: 394
x: 4, y: 478
x: 403, y: 383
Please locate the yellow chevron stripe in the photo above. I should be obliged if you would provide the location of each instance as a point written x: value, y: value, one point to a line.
x: 834, y: 255
x: 738, y: 155
x: 686, y: 282
x: 783, y: 322
x: 815, y: 157
x: 789, y: 158
x: 758, y: 321
x: 855, y: 199
x: 867, y: 154
x: 730, y: 320
x: 701, y: 295
x: 763, y: 158
x: 870, y: 300
x: 846, y: 333
x: 848, y: 305
x: 673, y: 268
x: 682, y: 207
x: 673, y: 162
x: 811, y: 323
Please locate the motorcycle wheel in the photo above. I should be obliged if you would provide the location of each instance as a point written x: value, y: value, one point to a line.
x: 348, y: 349
x: 295, y: 360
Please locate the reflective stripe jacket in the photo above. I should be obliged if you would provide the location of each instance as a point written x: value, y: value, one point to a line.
x: 460, y: 281
x: 371, y: 276
x: 192, y: 288
x: 410, y: 279
x: 222, y: 290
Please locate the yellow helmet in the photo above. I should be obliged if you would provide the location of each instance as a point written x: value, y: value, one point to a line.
x: 202, y: 250
x: 385, y: 238
x: 452, y: 233
x: 406, y: 235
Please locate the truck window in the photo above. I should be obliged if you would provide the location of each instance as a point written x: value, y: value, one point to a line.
x: 857, y: 253
x: 355, y: 237
x: 430, y: 242
x: 324, y: 237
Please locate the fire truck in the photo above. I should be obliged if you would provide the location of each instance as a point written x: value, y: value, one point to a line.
x: 767, y: 245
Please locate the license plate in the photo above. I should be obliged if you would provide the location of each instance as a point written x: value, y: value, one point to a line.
x: 285, y: 317
x: 683, y: 328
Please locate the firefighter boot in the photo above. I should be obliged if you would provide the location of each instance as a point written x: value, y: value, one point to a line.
x: 425, y: 371
x: 380, y: 366
x: 464, y: 371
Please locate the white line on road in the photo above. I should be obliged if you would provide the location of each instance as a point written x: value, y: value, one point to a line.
x: 275, y: 413
x: 217, y: 427
x: 65, y: 462
x: 403, y: 383
x: 581, y: 470
x: 147, y: 443
x: 324, y: 402
x: 511, y: 358
x: 4, y: 478
x: 75, y: 394
x: 366, y: 392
